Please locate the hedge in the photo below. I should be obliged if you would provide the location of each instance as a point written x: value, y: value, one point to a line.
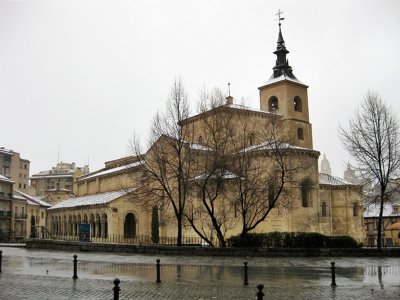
x: 292, y: 240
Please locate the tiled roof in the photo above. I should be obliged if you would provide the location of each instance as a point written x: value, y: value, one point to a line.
x: 95, y: 199
x: 332, y: 180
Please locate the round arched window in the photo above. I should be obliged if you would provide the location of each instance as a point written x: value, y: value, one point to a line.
x: 297, y: 104
x: 300, y: 134
x: 273, y: 104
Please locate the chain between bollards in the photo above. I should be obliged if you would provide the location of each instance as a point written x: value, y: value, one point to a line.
x: 75, y: 267
x: 260, y: 294
x: 246, y: 277
x: 1, y: 258
x: 158, y: 270
x: 116, y: 288
x: 333, y: 284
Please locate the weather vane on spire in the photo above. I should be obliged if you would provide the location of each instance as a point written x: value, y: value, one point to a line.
x: 229, y: 89
x: 279, y: 16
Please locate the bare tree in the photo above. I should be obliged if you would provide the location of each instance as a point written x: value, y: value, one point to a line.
x: 372, y: 139
x: 266, y: 172
x: 210, y: 211
x: 167, y: 163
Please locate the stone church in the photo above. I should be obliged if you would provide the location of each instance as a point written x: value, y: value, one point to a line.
x: 314, y: 202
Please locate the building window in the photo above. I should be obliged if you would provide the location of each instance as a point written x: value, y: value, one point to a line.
x: 19, y: 185
x: 323, y: 209
x: 273, y: 104
x: 304, y: 194
x: 200, y: 140
x: 355, y: 210
x: 300, y: 134
x: 297, y: 104
x: 251, y: 139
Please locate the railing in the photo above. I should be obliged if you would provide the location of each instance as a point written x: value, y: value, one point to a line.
x: 6, y: 214
x: 20, y: 216
x: 42, y: 233
x: 5, y: 196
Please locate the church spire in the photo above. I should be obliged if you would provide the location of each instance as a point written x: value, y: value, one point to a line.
x: 282, y: 66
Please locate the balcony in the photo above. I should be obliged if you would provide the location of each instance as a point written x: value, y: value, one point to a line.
x: 5, y: 214
x: 20, y: 216
x: 5, y: 196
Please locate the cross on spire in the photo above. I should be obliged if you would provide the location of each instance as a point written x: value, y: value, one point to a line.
x: 279, y: 16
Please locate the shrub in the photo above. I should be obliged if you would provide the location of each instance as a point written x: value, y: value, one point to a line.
x: 292, y: 240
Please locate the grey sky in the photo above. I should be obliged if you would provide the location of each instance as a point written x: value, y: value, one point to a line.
x: 82, y: 76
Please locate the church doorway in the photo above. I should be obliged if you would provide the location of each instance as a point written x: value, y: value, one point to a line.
x: 130, y: 226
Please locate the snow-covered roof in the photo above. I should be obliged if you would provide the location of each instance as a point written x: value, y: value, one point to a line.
x: 31, y: 199
x: 6, y: 151
x: 284, y: 76
x: 271, y: 145
x: 201, y: 147
x: 224, y: 174
x: 95, y: 199
x: 54, y: 173
x: 243, y: 107
x: 59, y: 190
x: 332, y: 180
x: 5, y: 179
x: 110, y: 171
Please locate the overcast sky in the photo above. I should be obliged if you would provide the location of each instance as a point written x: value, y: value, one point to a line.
x: 77, y: 78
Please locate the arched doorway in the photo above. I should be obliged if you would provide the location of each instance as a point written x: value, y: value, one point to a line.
x: 130, y: 226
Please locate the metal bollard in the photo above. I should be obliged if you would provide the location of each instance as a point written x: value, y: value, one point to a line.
x: 1, y: 258
x: 158, y: 270
x: 333, y: 284
x: 75, y: 267
x: 116, y: 288
x: 246, y: 277
x: 260, y: 294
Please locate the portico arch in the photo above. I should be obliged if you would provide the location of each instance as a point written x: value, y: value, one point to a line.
x: 130, y: 226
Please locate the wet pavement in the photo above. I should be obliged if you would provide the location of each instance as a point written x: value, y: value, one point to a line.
x: 43, y: 274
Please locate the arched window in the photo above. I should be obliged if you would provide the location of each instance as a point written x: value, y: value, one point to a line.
x: 130, y: 226
x: 297, y: 104
x: 304, y: 194
x: 273, y: 104
x: 251, y: 139
x: 355, y: 210
x: 323, y: 209
x: 300, y: 134
x: 200, y: 140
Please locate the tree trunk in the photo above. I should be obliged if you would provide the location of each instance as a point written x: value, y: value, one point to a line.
x: 380, y: 219
x: 179, y: 236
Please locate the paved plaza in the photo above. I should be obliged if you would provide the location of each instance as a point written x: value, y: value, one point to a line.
x: 40, y: 274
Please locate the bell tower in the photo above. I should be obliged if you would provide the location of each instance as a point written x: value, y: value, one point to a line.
x: 285, y: 95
